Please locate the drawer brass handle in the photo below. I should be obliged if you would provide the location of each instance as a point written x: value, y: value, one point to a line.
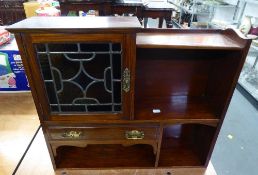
x: 134, y: 134
x: 126, y: 80
x: 72, y: 134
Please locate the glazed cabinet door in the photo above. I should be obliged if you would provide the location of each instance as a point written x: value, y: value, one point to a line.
x: 82, y: 76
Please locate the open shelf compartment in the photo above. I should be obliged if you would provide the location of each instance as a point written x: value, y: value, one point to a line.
x: 105, y: 156
x: 183, y: 83
x: 185, y: 145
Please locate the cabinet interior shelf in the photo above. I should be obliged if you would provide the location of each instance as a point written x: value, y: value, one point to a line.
x: 105, y: 156
x: 183, y: 84
x: 175, y: 107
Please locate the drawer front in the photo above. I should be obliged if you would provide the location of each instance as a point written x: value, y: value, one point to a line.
x: 96, y: 133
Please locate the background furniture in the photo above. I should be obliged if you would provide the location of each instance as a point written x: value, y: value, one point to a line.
x: 160, y: 10
x: 248, y: 80
x: 201, y: 12
x: 102, y: 6
x: 120, y: 7
x: 110, y: 94
x: 11, y: 11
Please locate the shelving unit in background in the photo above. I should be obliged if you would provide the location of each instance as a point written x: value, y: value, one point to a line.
x: 198, y: 10
x: 248, y: 80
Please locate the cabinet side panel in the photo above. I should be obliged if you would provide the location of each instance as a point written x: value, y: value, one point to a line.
x: 222, y: 75
x: 242, y: 55
x: 36, y: 76
x: 25, y: 60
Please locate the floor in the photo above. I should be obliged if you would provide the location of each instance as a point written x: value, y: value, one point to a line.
x: 18, y: 123
x: 235, y: 152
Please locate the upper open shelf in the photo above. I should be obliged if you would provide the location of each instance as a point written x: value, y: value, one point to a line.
x: 192, y: 39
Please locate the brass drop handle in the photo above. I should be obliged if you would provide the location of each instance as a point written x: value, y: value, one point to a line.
x: 126, y: 80
x: 72, y: 134
x: 134, y: 134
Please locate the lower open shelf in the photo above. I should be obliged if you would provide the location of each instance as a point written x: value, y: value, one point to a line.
x: 186, y: 145
x: 105, y: 156
x: 181, y: 145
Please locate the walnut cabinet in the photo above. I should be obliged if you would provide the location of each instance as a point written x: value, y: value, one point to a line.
x: 110, y: 94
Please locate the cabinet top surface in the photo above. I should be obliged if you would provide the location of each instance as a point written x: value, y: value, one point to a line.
x: 188, y: 39
x: 76, y: 24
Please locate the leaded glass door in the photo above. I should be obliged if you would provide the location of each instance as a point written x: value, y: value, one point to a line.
x: 86, y: 78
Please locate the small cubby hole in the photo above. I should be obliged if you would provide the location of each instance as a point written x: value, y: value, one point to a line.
x: 186, y: 145
x: 105, y: 156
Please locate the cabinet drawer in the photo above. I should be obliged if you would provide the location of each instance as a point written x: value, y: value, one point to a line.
x: 98, y: 133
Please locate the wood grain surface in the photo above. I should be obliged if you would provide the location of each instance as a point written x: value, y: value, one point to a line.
x: 75, y: 24
x: 186, y: 40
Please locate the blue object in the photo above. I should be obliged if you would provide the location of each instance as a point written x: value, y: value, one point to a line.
x: 12, y: 74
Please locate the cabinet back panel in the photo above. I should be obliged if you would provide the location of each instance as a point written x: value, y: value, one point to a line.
x: 183, y: 72
x: 186, y: 72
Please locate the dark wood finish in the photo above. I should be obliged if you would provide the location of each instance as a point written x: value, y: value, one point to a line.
x: 104, y: 156
x: 181, y: 40
x: 11, y: 11
x: 175, y: 107
x: 127, y: 63
x: 92, y: 133
x: 103, y: 7
x: 160, y: 13
x: 245, y: 45
x: 197, y: 92
x: 223, y: 61
x: 75, y: 25
x: 32, y: 82
x: 159, y: 145
x: 120, y: 7
x: 102, y: 135
x: 187, y: 76
x: 186, y: 145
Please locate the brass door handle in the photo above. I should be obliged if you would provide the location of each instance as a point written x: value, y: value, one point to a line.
x: 126, y: 80
x: 72, y: 134
x: 134, y: 134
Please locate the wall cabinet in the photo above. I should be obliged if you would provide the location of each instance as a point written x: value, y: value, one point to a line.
x: 111, y: 94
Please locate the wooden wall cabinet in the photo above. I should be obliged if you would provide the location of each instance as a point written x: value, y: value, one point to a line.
x: 110, y: 94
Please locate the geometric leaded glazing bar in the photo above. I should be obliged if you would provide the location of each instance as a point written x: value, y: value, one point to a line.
x: 82, y: 77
